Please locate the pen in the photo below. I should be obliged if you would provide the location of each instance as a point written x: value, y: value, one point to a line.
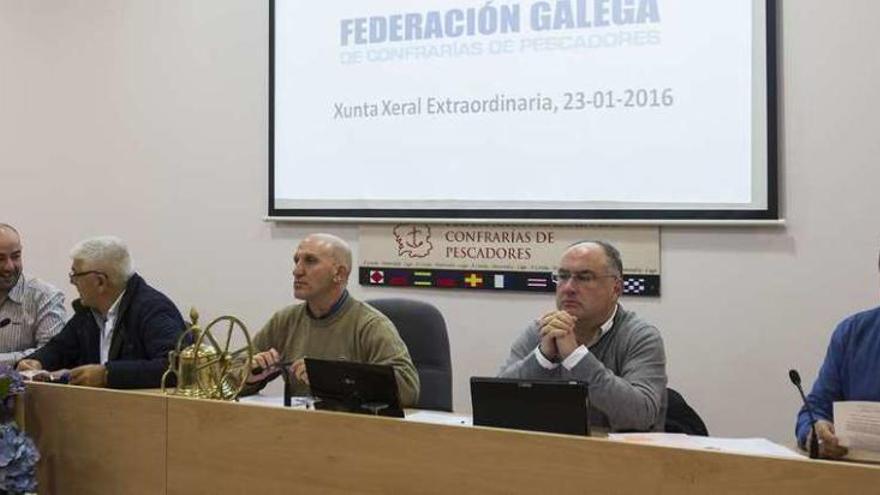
x: 282, y: 364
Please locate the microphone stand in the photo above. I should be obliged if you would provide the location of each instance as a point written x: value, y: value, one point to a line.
x: 814, y: 438
x: 288, y: 389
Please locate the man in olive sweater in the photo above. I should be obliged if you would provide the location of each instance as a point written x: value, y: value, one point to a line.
x: 330, y: 324
x: 593, y: 339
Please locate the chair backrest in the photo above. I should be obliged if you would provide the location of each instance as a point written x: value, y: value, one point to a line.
x: 681, y: 418
x: 423, y: 330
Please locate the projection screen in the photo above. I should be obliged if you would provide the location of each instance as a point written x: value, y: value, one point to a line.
x: 568, y: 110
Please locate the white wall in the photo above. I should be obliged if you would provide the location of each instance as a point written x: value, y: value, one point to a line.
x: 148, y: 119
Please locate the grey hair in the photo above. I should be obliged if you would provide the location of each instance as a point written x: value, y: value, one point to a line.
x: 615, y: 262
x: 107, y: 253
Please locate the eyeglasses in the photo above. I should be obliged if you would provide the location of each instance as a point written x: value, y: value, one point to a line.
x: 72, y: 276
x: 584, y: 278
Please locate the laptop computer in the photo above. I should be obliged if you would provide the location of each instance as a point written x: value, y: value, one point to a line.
x: 354, y: 387
x: 553, y: 406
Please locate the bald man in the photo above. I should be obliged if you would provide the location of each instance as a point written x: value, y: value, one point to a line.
x: 31, y: 311
x: 329, y: 324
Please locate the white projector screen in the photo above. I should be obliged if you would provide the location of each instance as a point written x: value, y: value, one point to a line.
x: 566, y: 110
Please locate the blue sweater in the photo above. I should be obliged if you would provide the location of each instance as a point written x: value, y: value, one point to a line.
x: 851, y: 370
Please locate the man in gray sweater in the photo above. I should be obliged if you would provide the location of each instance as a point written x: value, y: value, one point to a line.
x: 592, y: 338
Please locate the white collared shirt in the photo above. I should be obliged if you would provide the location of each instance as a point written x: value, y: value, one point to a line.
x: 34, y: 313
x: 576, y: 355
x: 105, y: 325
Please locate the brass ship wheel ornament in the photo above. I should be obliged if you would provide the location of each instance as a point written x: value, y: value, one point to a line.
x: 211, y: 367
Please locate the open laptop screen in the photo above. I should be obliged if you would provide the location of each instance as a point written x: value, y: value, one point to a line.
x: 354, y: 387
x: 538, y: 405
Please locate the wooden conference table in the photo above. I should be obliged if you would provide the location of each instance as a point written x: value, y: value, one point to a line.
x: 95, y: 441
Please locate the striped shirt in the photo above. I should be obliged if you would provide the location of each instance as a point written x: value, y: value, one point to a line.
x: 36, y: 313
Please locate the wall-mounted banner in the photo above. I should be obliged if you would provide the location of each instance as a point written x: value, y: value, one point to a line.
x: 496, y: 257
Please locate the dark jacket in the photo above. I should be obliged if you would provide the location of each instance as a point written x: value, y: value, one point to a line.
x: 147, y: 327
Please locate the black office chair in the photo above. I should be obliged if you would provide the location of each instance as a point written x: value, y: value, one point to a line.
x: 681, y: 418
x: 423, y: 330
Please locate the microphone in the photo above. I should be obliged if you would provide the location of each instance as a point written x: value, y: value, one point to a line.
x: 795, y: 378
x: 4, y: 322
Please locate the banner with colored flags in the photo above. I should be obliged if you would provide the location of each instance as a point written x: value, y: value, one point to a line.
x: 480, y: 257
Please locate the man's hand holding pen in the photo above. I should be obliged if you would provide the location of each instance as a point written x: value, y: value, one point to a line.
x: 268, y: 364
x: 264, y: 364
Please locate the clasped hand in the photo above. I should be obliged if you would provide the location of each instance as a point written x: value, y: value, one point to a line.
x: 558, y: 338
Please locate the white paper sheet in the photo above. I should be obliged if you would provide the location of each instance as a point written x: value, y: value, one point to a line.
x: 748, y: 446
x: 439, y: 418
x: 857, y: 426
x: 297, y: 402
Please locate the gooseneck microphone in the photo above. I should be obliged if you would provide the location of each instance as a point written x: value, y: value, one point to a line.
x: 4, y: 322
x: 795, y: 378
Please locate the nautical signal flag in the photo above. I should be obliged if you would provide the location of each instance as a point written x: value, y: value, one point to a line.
x: 537, y: 282
x: 633, y: 285
x: 447, y: 280
x: 399, y: 277
x: 422, y: 278
x: 473, y: 280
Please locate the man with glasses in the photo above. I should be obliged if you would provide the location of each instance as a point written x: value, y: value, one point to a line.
x: 591, y: 338
x: 122, y: 329
x: 31, y: 311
